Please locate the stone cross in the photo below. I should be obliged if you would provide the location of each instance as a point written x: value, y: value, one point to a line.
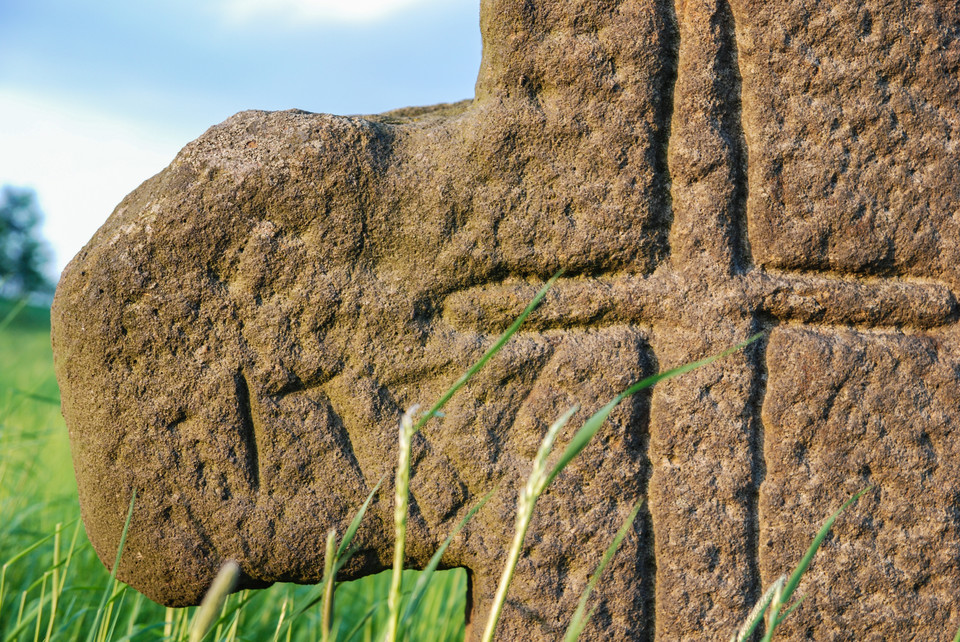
x: 239, y: 339
x: 710, y: 280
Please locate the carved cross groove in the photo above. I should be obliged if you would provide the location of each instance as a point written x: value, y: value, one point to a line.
x: 708, y: 236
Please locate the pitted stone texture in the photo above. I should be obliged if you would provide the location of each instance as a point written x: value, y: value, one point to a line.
x: 238, y: 341
x: 847, y: 422
x: 851, y: 118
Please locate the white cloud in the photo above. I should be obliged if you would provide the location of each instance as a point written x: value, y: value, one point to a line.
x: 296, y: 11
x: 81, y: 162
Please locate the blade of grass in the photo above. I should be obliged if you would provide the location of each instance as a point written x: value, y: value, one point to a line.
x: 23, y: 602
x: 234, y: 626
x: 794, y: 581
x: 134, y: 613
x: 113, y: 573
x: 579, y: 620
x: 592, y: 425
x: 379, y: 604
x: 34, y: 396
x: 12, y: 314
x: 55, y: 590
x: 283, y: 613
x: 494, y: 349
x: 70, y: 552
x: 71, y: 629
x: 793, y: 607
x: 355, y: 524
x: 43, y: 591
x: 423, y: 580
x: 21, y: 555
x: 139, y: 632
x: 315, y: 596
x: 329, y: 559
x: 25, y: 396
x: 117, y: 606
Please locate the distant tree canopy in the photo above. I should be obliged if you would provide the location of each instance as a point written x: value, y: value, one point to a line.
x: 24, y: 255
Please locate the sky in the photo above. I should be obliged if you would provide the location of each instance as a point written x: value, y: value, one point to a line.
x: 98, y: 96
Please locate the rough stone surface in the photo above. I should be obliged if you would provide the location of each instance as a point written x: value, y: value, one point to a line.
x: 239, y: 339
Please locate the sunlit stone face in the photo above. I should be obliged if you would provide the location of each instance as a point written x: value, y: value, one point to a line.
x: 239, y: 340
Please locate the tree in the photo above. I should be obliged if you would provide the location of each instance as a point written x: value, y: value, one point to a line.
x: 24, y: 255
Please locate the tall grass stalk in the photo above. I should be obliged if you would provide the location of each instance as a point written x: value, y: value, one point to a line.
x: 407, y: 430
x: 541, y: 477
x: 43, y: 590
x: 12, y: 314
x: 536, y: 483
x: 329, y: 561
x: 55, y: 598
x: 401, y: 505
x: 213, y: 602
x: 283, y: 613
x: 580, y: 617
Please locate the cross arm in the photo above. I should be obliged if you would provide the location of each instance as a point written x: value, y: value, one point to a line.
x: 572, y: 302
x: 875, y: 302
x: 806, y: 298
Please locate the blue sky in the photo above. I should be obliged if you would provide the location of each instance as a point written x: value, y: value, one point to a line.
x: 96, y: 97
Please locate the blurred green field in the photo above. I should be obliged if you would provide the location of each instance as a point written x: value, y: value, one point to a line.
x: 51, y: 583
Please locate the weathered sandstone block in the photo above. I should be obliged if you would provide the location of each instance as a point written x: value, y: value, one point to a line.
x: 238, y: 341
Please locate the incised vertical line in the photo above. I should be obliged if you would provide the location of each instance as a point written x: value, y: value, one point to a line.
x: 669, y: 75
x: 739, y: 238
x: 668, y: 80
x: 730, y: 77
x: 249, y: 430
x: 758, y: 463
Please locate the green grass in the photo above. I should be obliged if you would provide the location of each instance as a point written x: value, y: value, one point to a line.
x: 48, y: 566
